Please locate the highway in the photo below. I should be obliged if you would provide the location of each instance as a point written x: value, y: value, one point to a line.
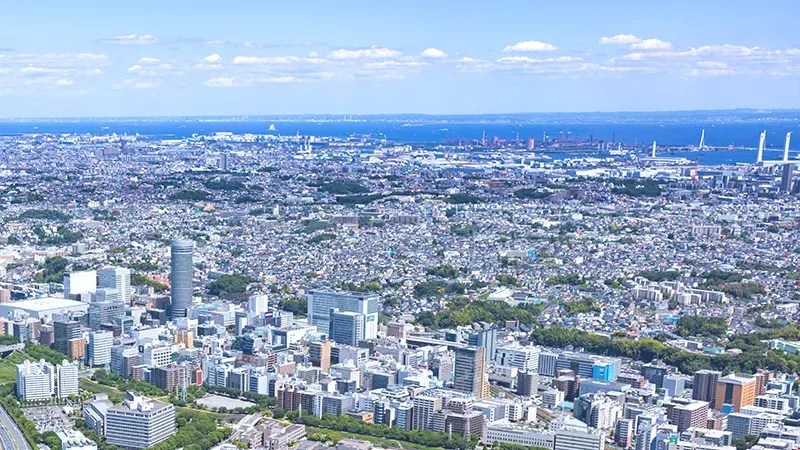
x: 10, y: 434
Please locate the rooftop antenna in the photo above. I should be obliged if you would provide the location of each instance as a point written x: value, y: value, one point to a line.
x: 786, y: 146
x: 654, y: 149
x: 702, y: 139
x: 761, y: 146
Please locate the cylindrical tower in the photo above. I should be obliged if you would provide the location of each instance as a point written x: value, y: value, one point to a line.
x: 181, y: 275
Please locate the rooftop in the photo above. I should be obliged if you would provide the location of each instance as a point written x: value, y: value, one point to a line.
x: 46, y: 304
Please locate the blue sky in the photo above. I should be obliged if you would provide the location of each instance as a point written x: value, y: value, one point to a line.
x: 86, y: 58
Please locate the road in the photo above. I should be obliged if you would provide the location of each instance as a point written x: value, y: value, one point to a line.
x: 10, y: 434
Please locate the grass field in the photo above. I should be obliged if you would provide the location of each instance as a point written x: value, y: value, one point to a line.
x: 97, y: 388
x: 8, y: 367
x: 380, y: 442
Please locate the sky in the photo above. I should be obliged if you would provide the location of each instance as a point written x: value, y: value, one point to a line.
x: 172, y: 58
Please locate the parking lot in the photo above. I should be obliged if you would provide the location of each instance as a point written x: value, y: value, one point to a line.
x: 48, y: 418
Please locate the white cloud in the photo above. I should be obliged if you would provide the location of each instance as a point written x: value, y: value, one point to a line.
x: 652, y: 44
x: 530, y: 46
x: 433, y: 53
x: 64, y: 82
x: 712, y: 64
x: 278, y: 80
x: 132, y: 39
x: 148, y: 61
x: 213, y: 59
x: 620, y: 39
x: 529, y: 60
x: 364, y: 53
x: 220, y: 82
x: 138, y: 84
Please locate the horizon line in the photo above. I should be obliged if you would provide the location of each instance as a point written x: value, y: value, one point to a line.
x: 632, y: 112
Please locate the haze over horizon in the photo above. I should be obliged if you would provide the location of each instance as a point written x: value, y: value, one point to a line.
x: 206, y: 59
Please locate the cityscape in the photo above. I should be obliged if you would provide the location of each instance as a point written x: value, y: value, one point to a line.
x: 325, y: 228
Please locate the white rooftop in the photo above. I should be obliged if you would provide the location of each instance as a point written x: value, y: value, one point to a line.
x: 46, y: 304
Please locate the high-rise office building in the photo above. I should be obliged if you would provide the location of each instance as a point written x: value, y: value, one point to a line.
x: 123, y: 359
x: 35, y: 381
x: 320, y: 304
x: 76, y: 284
x: 66, y: 379
x: 319, y: 354
x: 735, y: 390
x: 116, y: 278
x: 139, y: 422
x: 688, y: 414
x: 470, y: 370
x: 485, y: 338
x: 705, y: 385
x: 786, y: 177
x: 181, y: 276
x: 347, y: 327
x: 63, y: 331
x: 105, y: 308
x: 99, y: 349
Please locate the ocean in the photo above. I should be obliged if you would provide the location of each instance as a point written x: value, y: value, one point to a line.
x: 737, y: 134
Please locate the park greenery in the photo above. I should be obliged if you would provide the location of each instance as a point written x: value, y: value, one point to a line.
x: 570, y: 279
x: 584, y: 305
x: 196, y: 431
x: 321, y: 237
x: 350, y: 425
x: 63, y: 235
x: 364, y: 286
x: 637, y: 188
x: 444, y: 271
x: 461, y: 199
x: 460, y: 312
x: 660, y: 275
x: 224, y: 185
x: 755, y: 350
x: 465, y: 230
x: 45, y: 214
x: 138, y: 279
x: 312, y: 226
x: 126, y: 384
x: 228, y: 285
x: 52, y: 270
x: 714, y: 327
x: 296, y: 306
x: 436, y: 288
x: 343, y: 188
x: 191, y: 195
x: 531, y: 193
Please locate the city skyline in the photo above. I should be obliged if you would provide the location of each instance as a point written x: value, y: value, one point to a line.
x: 154, y: 60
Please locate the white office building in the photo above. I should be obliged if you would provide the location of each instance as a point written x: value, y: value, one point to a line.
x: 139, y: 422
x: 116, y: 278
x: 320, y: 304
x: 35, y: 381
x: 522, y: 357
x: 66, y: 379
x: 99, y: 351
x: 157, y: 356
x: 78, y: 283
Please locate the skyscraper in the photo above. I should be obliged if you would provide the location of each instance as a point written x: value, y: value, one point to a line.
x: 116, y: 278
x: 63, y: 331
x: 77, y: 283
x: 470, y: 369
x: 319, y: 354
x: 347, y: 327
x: 735, y: 390
x: 705, y: 385
x: 320, y: 304
x: 181, y: 275
x: 100, y: 343
x: 786, y: 177
x: 485, y: 338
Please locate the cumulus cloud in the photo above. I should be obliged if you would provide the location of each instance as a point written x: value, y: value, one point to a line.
x: 712, y: 64
x: 132, y: 39
x: 530, y: 46
x: 213, y: 59
x: 220, y: 82
x: 64, y: 82
x: 373, y: 52
x: 529, y: 60
x: 651, y: 44
x: 624, y: 39
x: 148, y: 60
x: 434, y: 53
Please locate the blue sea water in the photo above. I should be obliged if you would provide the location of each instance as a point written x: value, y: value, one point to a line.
x: 738, y: 134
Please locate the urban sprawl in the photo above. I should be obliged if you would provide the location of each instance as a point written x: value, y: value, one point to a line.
x: 262, y: 291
